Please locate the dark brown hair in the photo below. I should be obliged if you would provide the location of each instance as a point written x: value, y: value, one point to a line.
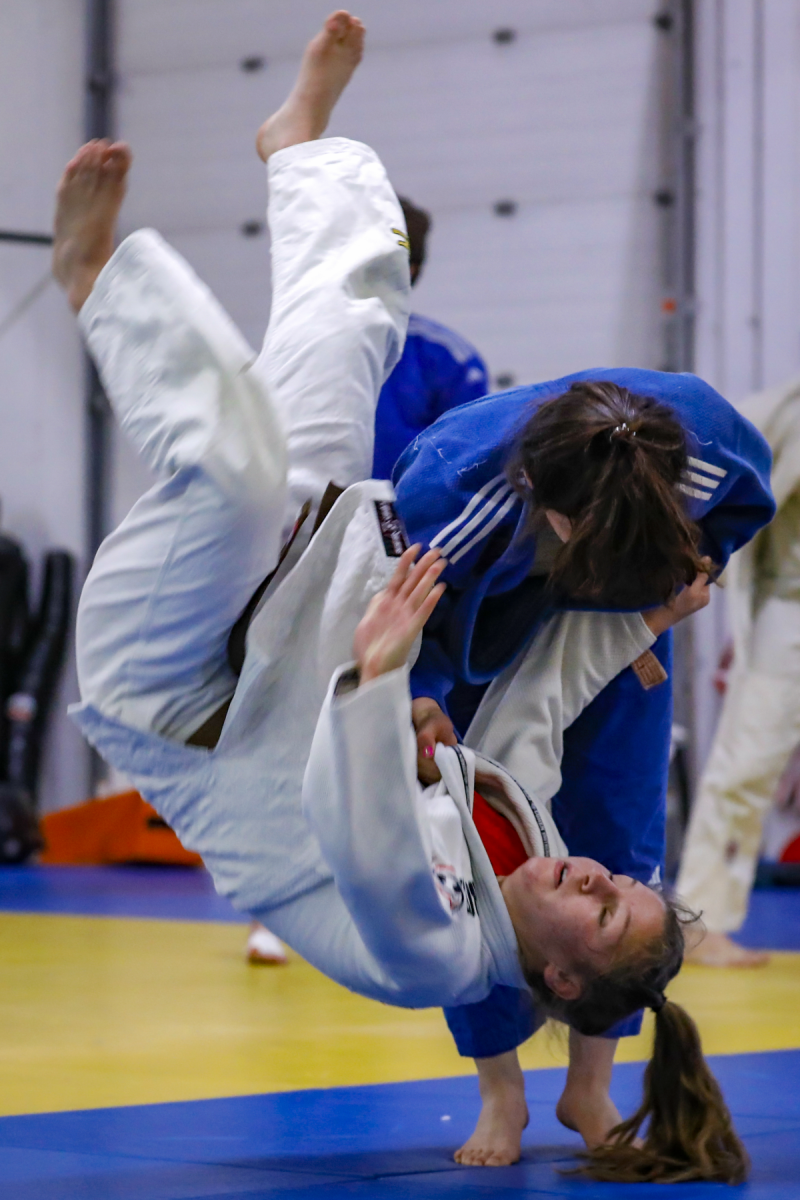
x: 690, y: 1133
x: 611, y: 461
x: 418, y: 223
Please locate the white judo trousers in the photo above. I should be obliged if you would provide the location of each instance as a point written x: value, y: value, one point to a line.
x: 758, y: 730
x: 759, y: 725
x: 238, y: 442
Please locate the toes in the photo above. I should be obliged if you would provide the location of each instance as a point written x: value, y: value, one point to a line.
x: 338, y: 23
x: 470, y: 1157
x: 482, y: 1156
x: 81, y: 158
x: 118, y: 160
x: 78, y: 167
x: 90, y: 159
x: 71, y: 168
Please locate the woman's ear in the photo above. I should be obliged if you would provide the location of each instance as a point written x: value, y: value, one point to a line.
x: 561, y: 983
x: 561, y: 525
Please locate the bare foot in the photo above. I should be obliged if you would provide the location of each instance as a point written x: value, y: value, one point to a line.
x: 263, y: 948
x: 719, y: 950
x: 88, y: 201
x: 592, y: 1115
x: 329, y: 60
x: 497, y: 1139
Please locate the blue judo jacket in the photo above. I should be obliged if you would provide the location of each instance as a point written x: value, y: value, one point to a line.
x: 452, y: 492
x: 438, y: 370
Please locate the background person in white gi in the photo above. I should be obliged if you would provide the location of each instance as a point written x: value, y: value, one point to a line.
x: 759, y: 725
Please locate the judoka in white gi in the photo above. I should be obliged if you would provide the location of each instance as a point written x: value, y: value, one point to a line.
x: 308, y: 810
x: 759, y: 726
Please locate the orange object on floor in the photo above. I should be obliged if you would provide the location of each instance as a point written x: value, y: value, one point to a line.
x: 116, y: 829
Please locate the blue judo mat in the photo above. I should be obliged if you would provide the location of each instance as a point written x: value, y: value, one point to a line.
x: 366, y: 1143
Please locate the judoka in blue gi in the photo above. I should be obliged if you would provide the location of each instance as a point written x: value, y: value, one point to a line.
x: 438, y: 369
x: 462, y: 486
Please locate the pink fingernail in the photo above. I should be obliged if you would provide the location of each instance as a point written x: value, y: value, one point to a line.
x: 427, y: 752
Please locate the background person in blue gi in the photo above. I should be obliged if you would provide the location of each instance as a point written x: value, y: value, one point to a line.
x: 604, y: 489
x: 437, y: 371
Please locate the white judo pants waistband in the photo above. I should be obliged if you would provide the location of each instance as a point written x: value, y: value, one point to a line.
x: 238, y: 443
x: 758, y: 730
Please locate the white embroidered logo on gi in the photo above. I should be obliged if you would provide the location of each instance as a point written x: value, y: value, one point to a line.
x: 488, y: 505
x: 700, y: 479
x: 395, y: 542
x: 454, y: 891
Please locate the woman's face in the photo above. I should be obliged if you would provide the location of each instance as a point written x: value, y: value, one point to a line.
x: 574, y: 918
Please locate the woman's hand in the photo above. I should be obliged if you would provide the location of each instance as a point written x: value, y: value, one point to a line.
x: 432, y: 726
x: 689, y: 600
x: 395, y: 617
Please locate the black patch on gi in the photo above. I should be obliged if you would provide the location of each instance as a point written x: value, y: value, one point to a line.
x: 395, y: 542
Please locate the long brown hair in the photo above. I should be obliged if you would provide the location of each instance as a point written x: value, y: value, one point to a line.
x: 611, y: 461
x: 690, y: 1132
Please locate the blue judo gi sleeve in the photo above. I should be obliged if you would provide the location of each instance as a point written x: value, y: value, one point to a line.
x: 611, y: 807
x: 438, y: 370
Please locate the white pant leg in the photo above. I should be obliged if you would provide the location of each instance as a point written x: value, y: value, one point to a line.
x: 758, y: 729
x: 168, y: 585
x: 340, y: 282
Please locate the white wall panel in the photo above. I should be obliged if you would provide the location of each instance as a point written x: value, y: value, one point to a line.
x: 552, y: 118
x: 563, y: 121
x: 172, y: 35
x: 41, y: 413
x: 780, y: 191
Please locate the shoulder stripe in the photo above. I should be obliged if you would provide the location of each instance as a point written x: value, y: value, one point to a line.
x: 478, y: 518
x: 487, y: 529
x: 704, y: 480
x: 473, y: 504
x: 690, y: 491
x: 709, y: 468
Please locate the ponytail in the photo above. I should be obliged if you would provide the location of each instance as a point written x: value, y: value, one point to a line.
x: 690, y: 1134
x: 612, y: 462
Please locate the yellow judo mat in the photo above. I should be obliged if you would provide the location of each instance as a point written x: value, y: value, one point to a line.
x: 99, y: 1011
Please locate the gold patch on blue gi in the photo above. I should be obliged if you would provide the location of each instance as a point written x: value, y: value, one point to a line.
x: 404, y: 242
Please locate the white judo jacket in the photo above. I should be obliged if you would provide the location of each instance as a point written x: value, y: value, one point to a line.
x: 308, y: 813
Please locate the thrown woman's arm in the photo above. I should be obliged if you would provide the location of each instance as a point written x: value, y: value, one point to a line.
x: 370, y: 815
